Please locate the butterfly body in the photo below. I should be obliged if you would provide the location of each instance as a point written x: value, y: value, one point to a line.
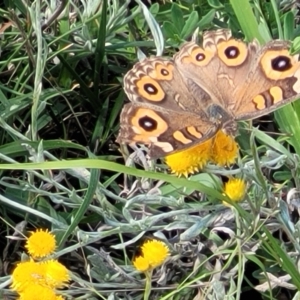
x: 177, y: 103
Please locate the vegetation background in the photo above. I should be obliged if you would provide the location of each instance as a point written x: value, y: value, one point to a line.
x: 61, y: 73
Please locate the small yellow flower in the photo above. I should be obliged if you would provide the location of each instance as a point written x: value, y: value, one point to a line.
x: 224, y: 149
x: 141, y: 264
x: 37, y: 292
x: 50, y: 274
x: 56, y: 274
x: 235, y: 189
x: 27, y: 274
x: 155, y: 252
x: 221, y: 150
x: 190, y: 160
x: 41, y: 243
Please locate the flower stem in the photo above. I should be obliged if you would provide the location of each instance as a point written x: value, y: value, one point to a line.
x: 148, y: 284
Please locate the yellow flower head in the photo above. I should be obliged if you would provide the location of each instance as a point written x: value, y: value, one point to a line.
x: 221, y: 150
x: 50, y: 274
x: 235, y: 189
x: 41, y: 243
x: 141, y: 264
x: 224, y: 149
x: 190, y: 160
x: 27, y: 274
x: 56, y: 274
x: 155, y: 252
x: 37, y: 292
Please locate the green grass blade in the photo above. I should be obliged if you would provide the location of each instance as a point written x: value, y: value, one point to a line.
x: 88, y: 198
x: 111, y: 166
x: 100, y: 51
x: 244, y: 13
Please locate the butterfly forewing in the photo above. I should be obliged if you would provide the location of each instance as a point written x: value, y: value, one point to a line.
x: 163, y: 112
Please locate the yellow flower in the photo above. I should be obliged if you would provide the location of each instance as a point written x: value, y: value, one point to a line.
x: 41, y: 243
x: 37, y: 292
x: 235, y: 189
x: 27, y: 274
x: 221, y: 150
x: 224, y: 149
x: 50, y: 274
x: 141, y: 264
x: 56, y: 274
x: 155, y: 252
x: 190, y: 160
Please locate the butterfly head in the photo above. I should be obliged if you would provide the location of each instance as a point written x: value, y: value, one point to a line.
x: 230, y: 128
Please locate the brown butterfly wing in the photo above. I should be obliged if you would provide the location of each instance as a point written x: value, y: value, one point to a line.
x: 273, y: 80
x: 162, y: 112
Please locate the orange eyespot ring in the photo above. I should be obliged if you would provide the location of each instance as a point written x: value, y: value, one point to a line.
x: 146, y: 123
x: 279, y: 64
x: 162, y: 71
x: 199, y: 56
x: 233, y: 52
x: 150, y: 89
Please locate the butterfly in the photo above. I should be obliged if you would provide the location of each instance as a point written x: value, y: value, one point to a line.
x: 180, y: 102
